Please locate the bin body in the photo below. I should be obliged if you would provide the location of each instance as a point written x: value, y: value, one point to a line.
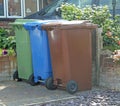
x: 24, y: 61
x: 71, y: 53
x: 40, y: 51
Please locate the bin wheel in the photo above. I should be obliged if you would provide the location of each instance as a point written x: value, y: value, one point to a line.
x: 15, y: 76
x: 72, y: 87
x: 31, y: 80
x: 49, y: 84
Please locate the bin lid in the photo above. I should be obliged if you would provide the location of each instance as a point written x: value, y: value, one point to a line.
x: 32, y: 25
x: 70, y: 24
x: 37, y: 24
x: 20, y: 22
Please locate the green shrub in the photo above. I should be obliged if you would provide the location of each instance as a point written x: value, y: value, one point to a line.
x: 113, y: 27
x: 70, y: 12
x: 7, y: 42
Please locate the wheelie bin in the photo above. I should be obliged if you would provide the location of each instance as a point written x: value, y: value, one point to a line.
x: 71, y: 55
x: 40, y: 51
x: 23, y: 49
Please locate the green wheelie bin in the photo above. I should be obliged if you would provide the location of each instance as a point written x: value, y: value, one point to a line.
x: 24, y: 61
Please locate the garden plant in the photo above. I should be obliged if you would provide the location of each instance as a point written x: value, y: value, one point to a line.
x: 7, y: 42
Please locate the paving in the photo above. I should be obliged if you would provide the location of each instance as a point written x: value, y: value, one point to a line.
x: 14, y: 93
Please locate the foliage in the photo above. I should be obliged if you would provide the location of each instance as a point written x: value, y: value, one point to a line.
x: 70, y: 12
x: 99, y: 15
x: 111, y: 33
x: 7, y: 42
x: 116, y: 25
x: 3, y: 36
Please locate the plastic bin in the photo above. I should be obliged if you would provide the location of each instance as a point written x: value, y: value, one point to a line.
x: 71, y: 55
x: 40, y: 51
x: 24, y: 61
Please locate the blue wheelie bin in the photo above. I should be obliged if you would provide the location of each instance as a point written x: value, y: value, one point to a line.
x: 40, y: 51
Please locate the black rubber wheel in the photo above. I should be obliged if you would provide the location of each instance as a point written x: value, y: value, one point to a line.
x: 49, y: 84
x: 15, y: 76
x: 72, y: 87
x: 31, y: 80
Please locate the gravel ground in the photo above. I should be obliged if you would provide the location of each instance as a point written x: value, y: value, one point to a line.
x: 95, y: 97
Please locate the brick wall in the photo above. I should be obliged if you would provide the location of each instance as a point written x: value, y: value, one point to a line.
x: 4, y: 24
x: 109, y: 73
x: 7, y: 67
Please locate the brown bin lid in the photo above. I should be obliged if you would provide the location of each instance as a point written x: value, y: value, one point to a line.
x: 69, y: 24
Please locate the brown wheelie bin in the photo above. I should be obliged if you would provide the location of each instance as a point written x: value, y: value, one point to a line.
x: 71, y: 54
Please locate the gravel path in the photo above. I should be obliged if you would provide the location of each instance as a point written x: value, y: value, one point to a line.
x: 95, y: 97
